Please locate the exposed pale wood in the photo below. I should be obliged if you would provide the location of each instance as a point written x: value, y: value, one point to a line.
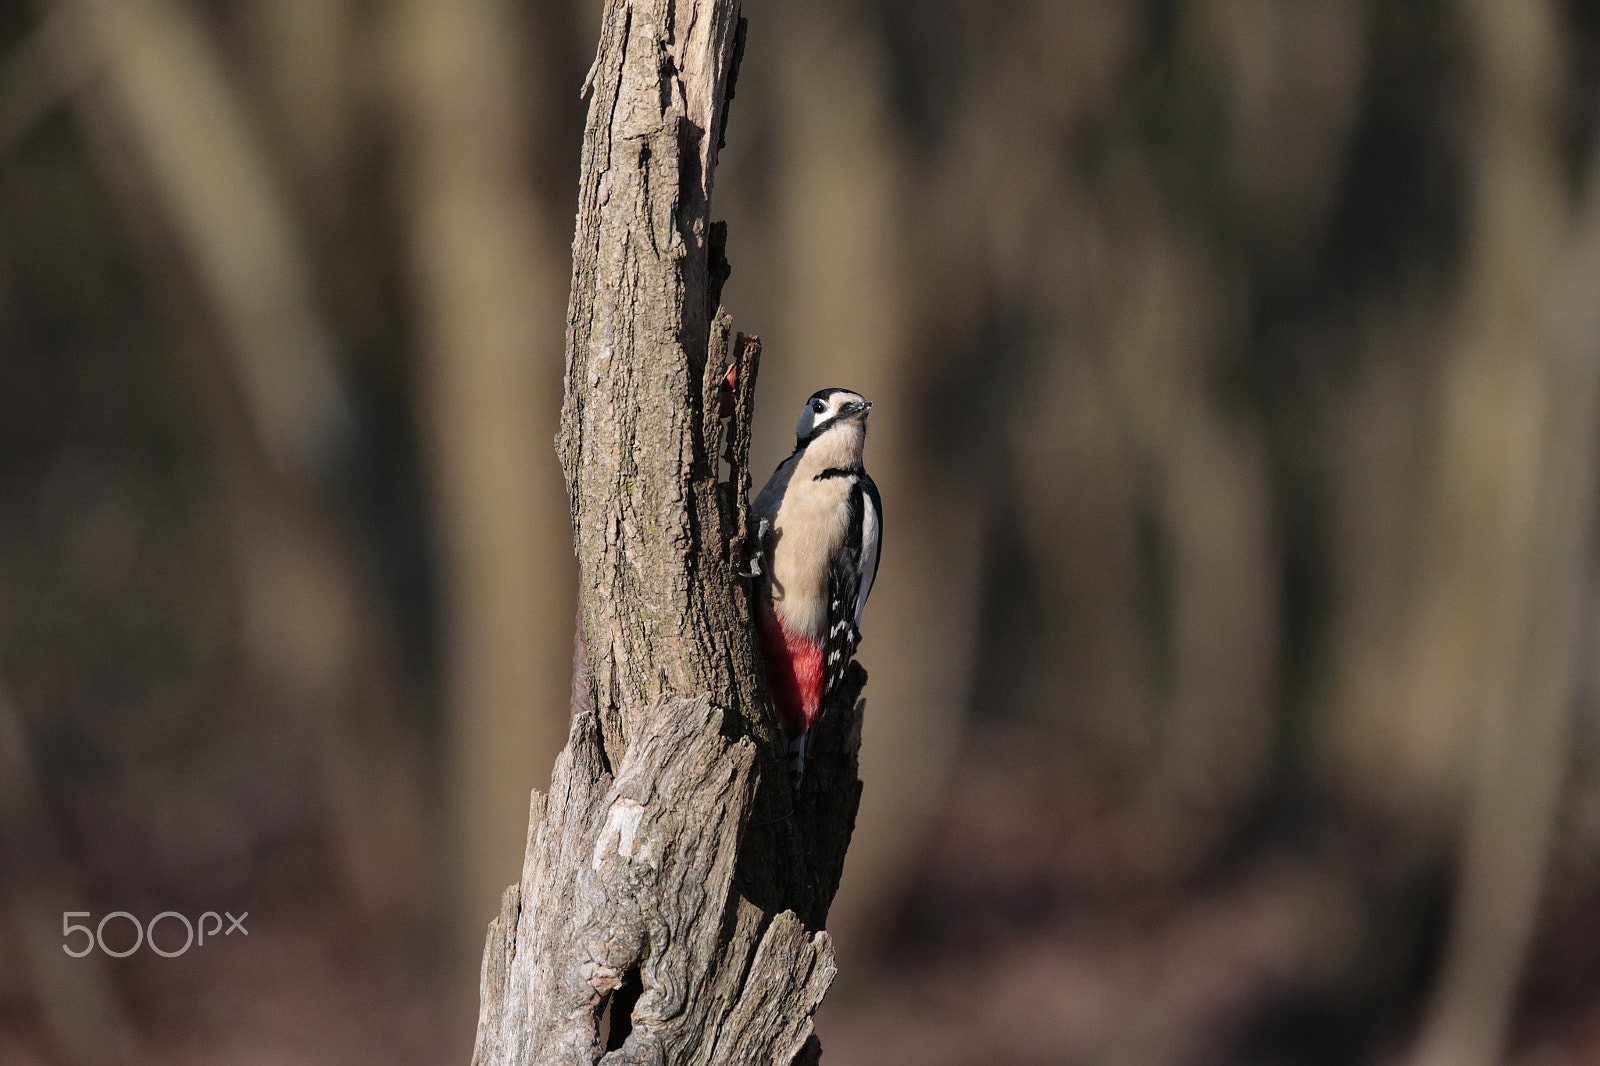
x: 632, y: 875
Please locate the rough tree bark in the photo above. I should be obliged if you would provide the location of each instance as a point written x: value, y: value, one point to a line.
x: 671, y: 906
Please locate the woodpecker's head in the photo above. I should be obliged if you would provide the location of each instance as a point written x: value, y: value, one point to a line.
x: 829, y: 408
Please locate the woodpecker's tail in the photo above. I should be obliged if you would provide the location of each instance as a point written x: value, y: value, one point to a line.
x: 797, y: 760
x: 799, y: 749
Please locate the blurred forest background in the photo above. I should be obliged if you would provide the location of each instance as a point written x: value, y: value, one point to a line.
x: 1236, y: 363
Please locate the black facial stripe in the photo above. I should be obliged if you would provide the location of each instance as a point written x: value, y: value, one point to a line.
x: 837, y: 471
x: 816, y: 430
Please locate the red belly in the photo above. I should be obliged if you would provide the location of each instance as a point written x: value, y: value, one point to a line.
x: 794, y: 673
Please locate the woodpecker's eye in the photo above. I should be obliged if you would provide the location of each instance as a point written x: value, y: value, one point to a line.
x: 818, y: 406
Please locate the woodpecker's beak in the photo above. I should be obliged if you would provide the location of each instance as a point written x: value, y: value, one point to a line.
x: 858, y: 410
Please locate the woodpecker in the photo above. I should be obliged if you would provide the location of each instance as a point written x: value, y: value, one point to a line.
x: 819, y: 525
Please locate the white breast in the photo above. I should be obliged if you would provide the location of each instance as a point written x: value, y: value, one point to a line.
x: 808, y: 531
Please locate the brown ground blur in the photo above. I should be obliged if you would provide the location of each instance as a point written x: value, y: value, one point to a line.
x: 1236, y: 367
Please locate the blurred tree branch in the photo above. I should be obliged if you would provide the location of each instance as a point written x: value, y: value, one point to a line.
x: 489, y: 288
x: 173, y: 142
x: 643, y: 924
x: 77, y: 999
x: 214, y: 182
x: 1518, y: 469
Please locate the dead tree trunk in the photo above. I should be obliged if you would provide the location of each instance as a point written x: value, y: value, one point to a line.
x: 670, y: 908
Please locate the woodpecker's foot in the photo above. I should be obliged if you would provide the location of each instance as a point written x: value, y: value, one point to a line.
x: 756, y: 557
x: 757, y: 542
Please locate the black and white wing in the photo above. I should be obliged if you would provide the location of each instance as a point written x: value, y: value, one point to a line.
x: 850, y: 580
x: 871, y: 543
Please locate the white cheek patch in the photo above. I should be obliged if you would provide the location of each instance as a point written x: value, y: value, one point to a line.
x: 810, y: 420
